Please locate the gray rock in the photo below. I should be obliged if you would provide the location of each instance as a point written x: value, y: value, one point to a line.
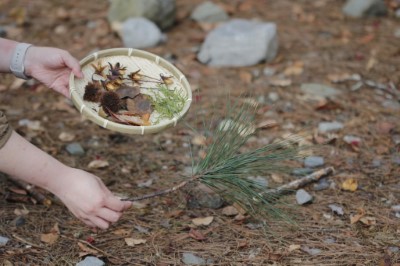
x: 397, y: 13
x: 209, y: 12
x: 396, y: 139
x: 336, y: 209
x: 321, y: 90
x: 394, y: 249
x: 3, y: 240
x: 150, y: 34
x: 311, y: 251
x: 302, y: 197
x: 390, y: 104
x: 321, y: 185
x: 91, y: 261
x: 313, y: 161
x: 161, y: 12
x: 259, y: 180
x: 329, y: 241
x: 396, y: 160
x: 376, y: 163
x: 362, y: 8
x: 395, y: 34
x: 191, y: 259
x: 273, y: 96
x: 3, y: 32
x: 75, y: 149
x: 238, y: 43
x: 302, y: 171
x: 329, y: 126
x: 203, y: 197
x: 396, y: 208
x: 269, y: 71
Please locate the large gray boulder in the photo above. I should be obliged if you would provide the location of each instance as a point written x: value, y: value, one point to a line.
x: 240, y: 42
x: 140, y: 33
x: 362, y: 8
x: 209, y: 12
x: 161, y: 12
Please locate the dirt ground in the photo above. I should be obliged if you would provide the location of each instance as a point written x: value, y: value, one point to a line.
x: 317, y: 45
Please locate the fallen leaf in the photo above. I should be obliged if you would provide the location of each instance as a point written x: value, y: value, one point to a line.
x: 350, y: 184
x: 267, y: 124
x: 86, y: 250
x: 295, y: 69
x: 195, y: 234
x: 368, y: 220
x: 199, y: 140
x: 277, y: 178
x: 21, y: 212
x: 66, y: 137
x: 17, y: 83
x: 294, y: 247
x: 96, y: 164
x: 203, y: 221
x: 246, y: 77
x: 122, y: 232
x: 280, y: 82
x: 131, y: 242
x: 358, y: 216
x: 52, y: 236
x: 18, y: 191
x: 384, y: 127
x: 230, y: 211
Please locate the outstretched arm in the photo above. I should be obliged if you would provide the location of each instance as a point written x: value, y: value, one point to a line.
x: 50, y: 66
x: 84, y: 194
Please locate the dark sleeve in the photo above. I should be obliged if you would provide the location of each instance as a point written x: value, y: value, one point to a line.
x: 5, y: 129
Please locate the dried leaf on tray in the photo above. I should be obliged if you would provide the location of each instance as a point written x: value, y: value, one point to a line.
x: 139, y: 105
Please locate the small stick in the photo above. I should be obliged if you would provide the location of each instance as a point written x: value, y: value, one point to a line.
x: 301, y: 182
x: 162, y: 192
x: 20, y: 239
x: 279, y: 190
x: 32, y: 191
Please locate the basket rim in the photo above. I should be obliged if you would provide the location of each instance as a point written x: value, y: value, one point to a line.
x: 130, y: 129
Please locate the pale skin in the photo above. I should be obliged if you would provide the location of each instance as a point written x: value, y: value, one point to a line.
x: 83, y: 193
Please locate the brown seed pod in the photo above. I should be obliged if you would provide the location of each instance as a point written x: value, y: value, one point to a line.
x: 110, y: 102
x: 93, y: 92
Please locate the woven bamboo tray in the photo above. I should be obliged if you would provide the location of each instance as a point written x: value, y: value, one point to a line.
x: 149, y: 64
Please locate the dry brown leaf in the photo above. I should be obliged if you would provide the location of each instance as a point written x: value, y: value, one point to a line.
x: 195, y: 234
x: 21, y: 212
x: 203, y: 221
x: 280, y: 82
x: 131, y: 242
x: 293, y: 247
x: 358, y: 216
x: 350, y: 184
x: 52, y: 236
x: 295, y: 69
x: 246, y: 77
x: 18, y: 191
x: 86, y: 250
x: 17, y: 83
x: 230, y: 211
x: 96, y: 164
x: 122, y: 232
x: 368, y: 220
x: 277, y: 178
x: 199, y: 140
x: 66, y: 137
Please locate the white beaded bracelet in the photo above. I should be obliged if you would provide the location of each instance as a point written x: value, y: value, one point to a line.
x: 17, y: 61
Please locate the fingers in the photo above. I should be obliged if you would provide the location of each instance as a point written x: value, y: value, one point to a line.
x: 116, y: 204
x: 99, y: 222
x: 73, y: 64
x: 109, y: 215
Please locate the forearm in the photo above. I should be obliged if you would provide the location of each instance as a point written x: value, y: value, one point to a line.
x: 6, y: 50
x: 21, y: 159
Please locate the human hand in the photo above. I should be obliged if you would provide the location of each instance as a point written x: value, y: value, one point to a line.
x: 88, y: 198
x: 52, y: 67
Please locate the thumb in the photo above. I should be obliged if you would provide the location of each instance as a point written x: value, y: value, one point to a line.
x: 73, y: 64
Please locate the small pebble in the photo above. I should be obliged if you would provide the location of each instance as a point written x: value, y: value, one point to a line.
x: 321, y: 185
x: 330, y: 126
x: 302, y: 171
x: 273, y: 96
x: 191, y: 259
x: 91, y: 261
x: 303, y: 197
x: 336, y: 209
x: 313, y: 161
x: 75, y: 149
x: 3, y: 240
